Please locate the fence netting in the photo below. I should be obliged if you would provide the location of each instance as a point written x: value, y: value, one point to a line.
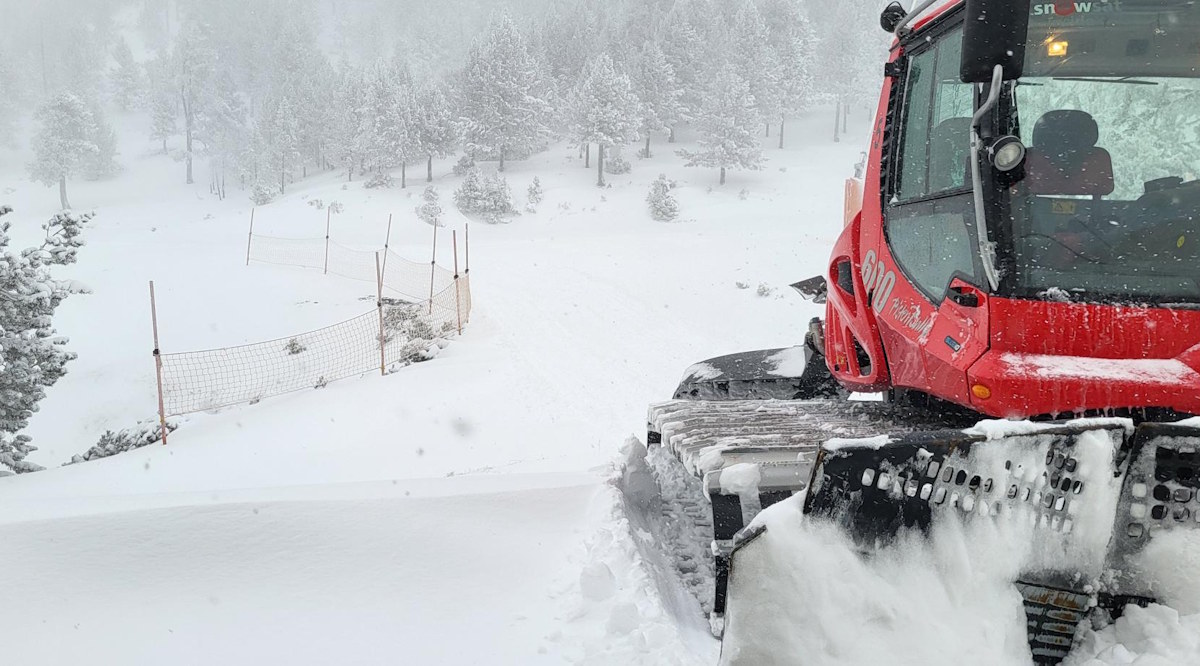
x: 410, y: 280
x: 433, y: 305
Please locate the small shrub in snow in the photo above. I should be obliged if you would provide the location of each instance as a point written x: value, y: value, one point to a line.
x: 534, y: 193
x: 294, y: 347
x: 430, y: 212
x: 381, y: 179
x: 487, y: 196
x: 663, y: 206
x: 262, y: 194
x: 317, y: 203
x: 741, y: 285
x: 744, y: 194
x: 617, y: 165
x: 336, y: 207
x: 464, y: 165
x: 764, y: 290
x: 111, y: 443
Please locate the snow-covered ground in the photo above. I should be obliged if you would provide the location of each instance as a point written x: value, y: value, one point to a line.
x: 456, y: 511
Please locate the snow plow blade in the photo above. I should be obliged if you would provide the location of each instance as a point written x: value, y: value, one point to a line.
x: 1089, y: 495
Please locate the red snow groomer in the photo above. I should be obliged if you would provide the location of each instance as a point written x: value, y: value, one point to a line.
x: 1027, y: 246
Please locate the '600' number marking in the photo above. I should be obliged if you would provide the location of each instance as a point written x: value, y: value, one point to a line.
x: 878, y: 281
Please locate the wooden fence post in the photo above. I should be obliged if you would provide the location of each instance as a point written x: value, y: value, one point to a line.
x: 386, y: 241
x: 328, y: 216
x: 457, y: 291
x: 379, y: 306
x: 250, y: 238
x: 162, y: 415
x: 433, y: 269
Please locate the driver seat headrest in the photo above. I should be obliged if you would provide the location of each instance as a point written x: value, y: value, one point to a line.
x: 1064, y: 158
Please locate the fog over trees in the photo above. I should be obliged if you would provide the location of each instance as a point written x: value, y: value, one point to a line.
x: 254, y: 95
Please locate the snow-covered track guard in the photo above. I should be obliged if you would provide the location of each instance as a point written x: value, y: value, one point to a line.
x: 1093, y: 493
x: 742, y: 456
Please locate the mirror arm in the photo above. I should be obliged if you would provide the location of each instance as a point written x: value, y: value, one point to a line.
x: 902, y: 29
x: 987, y: 248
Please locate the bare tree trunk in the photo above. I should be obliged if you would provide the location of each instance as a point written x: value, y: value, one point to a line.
x: 782, y: 122
x: 187, y: 121
x: 600, y: 165
x: 845, y: 115
x: 282, y: 177
x: 62, y: 192
x: 648, y: 144
x: 768, y: 129
x: 501, y: 160
x: 722, y: 175
x: 587, y: 156
x: 671, y: 137
x: 429, y: 170
x: 404, y: 176
x: 837, y: 123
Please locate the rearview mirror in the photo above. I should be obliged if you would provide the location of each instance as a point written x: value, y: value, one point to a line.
x: 994, y: 34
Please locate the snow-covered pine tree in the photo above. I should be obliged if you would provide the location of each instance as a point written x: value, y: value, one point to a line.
x: 126, y: 79
x: 382, y: 139
x: 194, y: 58
x: 162, y: 99
x: 9, y: 101
x: 349, y: 101
x: 663, y: 206
x: 727, y: 126
x: 277, y: 140
x: 683, y: 48
x: 434, y: 126
x: 505, y: 110
x: 102, y: 163
x: 64, y: 144
x: 535, y: 193
x: 657, y: 86
x: 796, y: 80
x: 757, y: 62
x: 224, y: 130
x: 32, y: 357
x: 430, y: 211
x: 608, y: 114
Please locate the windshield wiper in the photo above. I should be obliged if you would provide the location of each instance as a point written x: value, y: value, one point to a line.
x: 1127, y: 79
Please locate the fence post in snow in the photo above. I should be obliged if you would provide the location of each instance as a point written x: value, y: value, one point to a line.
x: 386, y: 241
x: 467, y: 246
x: 457, y: 292
x: 162, y: 416
x: 379, y: 306
x: 328, y: 215
x: 433, y: 269
x: 250, y: 237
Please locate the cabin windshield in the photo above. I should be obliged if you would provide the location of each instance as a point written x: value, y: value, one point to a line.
x: 1109, y: 107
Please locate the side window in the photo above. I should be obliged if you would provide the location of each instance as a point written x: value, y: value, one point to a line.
x: 914, y: 160
x: 932, y: 238
x: 935, y: 143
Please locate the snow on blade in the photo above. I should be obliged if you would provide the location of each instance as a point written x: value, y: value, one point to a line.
x: 788, y: 362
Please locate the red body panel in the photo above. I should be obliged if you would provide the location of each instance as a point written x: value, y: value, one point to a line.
x: 1034, y: 357
x: 1052, y: 358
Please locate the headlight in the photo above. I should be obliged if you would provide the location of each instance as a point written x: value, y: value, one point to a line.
x: 1007, y: 153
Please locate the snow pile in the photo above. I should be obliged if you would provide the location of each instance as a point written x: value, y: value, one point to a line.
x: 626, y: 605
x: 1152, y: 636
x: 802, y: 591
x: 801, y: 587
